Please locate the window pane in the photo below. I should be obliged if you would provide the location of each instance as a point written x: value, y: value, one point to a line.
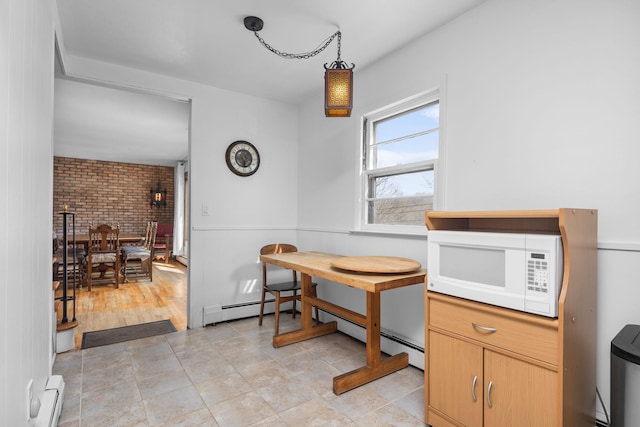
x: 406, y: 138
x: 401, y: 156
x: 404, y: 185
x: 413, y: 121
x: 399, y: 211
x: 413, y: 149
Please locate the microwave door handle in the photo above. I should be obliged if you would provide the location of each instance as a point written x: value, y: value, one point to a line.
x: 484, y: 328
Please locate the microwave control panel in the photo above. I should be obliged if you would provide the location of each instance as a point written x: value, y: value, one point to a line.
x: 538, y: 272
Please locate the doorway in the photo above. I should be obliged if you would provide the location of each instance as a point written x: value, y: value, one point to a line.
x: 101, y: 124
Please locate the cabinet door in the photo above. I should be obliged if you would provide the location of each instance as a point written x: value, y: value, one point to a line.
x: 521, y: 394
x: 453, y: 365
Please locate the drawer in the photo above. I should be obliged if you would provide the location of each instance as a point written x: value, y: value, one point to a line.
x: 503, y: 328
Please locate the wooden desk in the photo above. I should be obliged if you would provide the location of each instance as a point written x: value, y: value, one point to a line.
x: 319, y: 265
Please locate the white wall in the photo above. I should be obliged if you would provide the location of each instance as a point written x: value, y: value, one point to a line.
x: 540, y: 112
x: 26, y: 165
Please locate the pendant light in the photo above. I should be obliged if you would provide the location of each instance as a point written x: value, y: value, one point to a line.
x: 338, y: 77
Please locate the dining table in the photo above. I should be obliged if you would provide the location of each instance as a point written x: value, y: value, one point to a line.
x: 371, y: 274
x: 83, y: 239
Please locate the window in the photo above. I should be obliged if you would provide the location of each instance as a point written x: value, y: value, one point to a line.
x: 400, y: 164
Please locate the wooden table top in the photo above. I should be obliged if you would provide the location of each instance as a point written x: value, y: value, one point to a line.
x: 127, y: 238
x: 318, y: 264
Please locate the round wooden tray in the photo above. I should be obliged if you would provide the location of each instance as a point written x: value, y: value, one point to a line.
x: 376, y: 264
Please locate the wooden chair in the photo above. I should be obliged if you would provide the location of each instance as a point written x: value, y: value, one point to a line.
x: 137, y: 259
x: 103, y: 252
x: 276, y: 289
x: 164, y: 242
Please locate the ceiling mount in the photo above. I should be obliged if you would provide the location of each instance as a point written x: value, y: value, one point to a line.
x: 253, y: 23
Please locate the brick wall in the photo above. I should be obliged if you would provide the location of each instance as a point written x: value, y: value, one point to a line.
x: 109, y: 193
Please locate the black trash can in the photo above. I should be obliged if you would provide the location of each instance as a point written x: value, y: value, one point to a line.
x: 625, y: 377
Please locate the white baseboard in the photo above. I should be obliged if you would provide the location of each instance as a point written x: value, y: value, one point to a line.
x: 218, y: 313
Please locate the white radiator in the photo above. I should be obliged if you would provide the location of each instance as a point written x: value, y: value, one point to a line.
x: 51, y: 403
x: 216, y: 313
x: 213, y: 314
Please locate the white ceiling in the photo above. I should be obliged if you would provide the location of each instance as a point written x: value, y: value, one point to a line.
x: 104, y: 123
x: 205, y: 41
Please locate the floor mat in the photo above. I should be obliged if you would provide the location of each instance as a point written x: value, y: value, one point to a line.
x: 126, y: 333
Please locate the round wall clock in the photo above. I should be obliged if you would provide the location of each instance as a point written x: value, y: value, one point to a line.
x: 242, y: 158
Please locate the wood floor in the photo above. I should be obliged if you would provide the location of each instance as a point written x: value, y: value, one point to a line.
x: 137, y: 301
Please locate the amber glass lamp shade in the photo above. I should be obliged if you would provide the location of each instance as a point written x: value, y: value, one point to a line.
x: 338, y: 92
x: 158, y: 197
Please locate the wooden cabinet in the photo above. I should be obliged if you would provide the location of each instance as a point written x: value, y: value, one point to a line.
x: 518, y: 393
x: 491, y: 366
x: 475, y: 385
x: 456, y: 378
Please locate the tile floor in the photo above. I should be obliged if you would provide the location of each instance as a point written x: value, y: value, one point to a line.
x: 230, y: 375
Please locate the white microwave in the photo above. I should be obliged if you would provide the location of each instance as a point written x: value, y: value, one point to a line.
x: 518, y: 271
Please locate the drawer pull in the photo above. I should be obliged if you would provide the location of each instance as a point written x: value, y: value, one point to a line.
x: 473, y: 388
x: 489, y: 387
x: 484, y: 328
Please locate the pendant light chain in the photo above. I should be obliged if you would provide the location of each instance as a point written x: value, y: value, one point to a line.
x: 305, y: 55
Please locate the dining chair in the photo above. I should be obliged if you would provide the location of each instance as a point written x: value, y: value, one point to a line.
x: 103, y: 252
x: 275, y: 289
x: 164, y: 242
x: 138, y: 259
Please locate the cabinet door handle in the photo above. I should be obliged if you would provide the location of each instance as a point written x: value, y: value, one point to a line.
x: 473, y: 388
x: 489, y: 387
x: 484, y: 328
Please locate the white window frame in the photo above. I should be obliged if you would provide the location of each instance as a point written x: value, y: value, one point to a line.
x: 368, y: 119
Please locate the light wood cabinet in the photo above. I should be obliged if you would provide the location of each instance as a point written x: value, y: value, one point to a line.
x: 520, y: 393
x: 476, y: 386
x: 456, y: 379
x: 529, y: 370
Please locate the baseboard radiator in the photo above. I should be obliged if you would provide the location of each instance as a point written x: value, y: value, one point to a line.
x: 213, y: 314
x: 51, y: 403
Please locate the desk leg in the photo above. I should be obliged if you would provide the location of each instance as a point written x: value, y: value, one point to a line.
x: 307, y: 320
x: 376, y: 368
x: 308, y: 330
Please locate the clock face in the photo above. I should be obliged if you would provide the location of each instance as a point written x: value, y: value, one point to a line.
x: 242, y: 158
